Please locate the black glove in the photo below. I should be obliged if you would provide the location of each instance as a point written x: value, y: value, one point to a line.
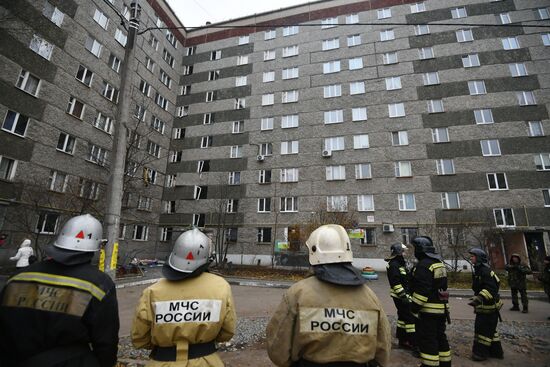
x: 474, y: 301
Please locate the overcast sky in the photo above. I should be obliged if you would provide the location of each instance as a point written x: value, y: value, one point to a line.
x: 195, y: 13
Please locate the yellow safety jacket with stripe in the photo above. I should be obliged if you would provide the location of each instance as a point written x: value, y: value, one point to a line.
x: 429, y: 278
x: 486, y: 284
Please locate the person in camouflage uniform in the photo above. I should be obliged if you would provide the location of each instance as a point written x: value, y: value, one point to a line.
x: 544, y: 277
x: 517, y: 273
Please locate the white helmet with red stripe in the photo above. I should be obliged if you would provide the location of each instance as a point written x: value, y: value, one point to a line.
x: 190, y: 252
x: 81, y: 233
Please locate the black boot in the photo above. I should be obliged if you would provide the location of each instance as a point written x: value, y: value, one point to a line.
x: 515, y: 308
x: 525, y: 309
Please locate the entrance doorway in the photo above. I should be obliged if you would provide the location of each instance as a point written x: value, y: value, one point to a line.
x: 535, y: 250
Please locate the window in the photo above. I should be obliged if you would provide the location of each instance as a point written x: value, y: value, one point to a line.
x: 268, y: 99
x: 359, y: 114
x: 542, y: 162
x: 234, y: 178
x: 483, y: 116
x: 41, y: 47
x: 264, y: 176
x: 497, y: 181
x: 215, y: 55
x: 141, y: 232
x: 168, y: 58
x: 504, y: 18
x: 545, y: 39
x: 403, y: 169
x: 110, y: 92
x: 88, y: 189
x: 47, y: 223
x: 383, y: 13
x: 290, y: 73
x: 232, y: 205
x: 243, y: 40
x: 459, y: 13
x: 149, y: 175
x: 464, y: 35
x: 266, y: 149
x: 470, y: 61
x: 178, y: 133
x: 185, y: 90
x: 535, y: 128
x: 418, y: 7
x: 15, y: 123
x: 365, y: 203
x: 203, y: 166
x: 387, y: 35
x: 75, y: 108
x: 58, y: 181
x: 28, y: 82
x: 406, y: 202
x: 144, y: 203
x: 190, y: 51
x: 290, y: 30
x: 445, y: 167
x: 356, y: 63
x: 170, y: 181
x: 266, y: 123
x: 161, y: 101
x: 335, y: 173
x: 214, y: 75
x: 165, y: 234
x: 518, y: 69
x: 389, y: 58
x: 354, y: 40
x: 440, y: 135
x: 330, y: 44
x: 435, y: 106
x: 369, y: 237
x: 270, y: 34
x: 334, y: 116
x: 114, y: 63
x: 450, y: 200
x: 338, y: 203
x: 7, y: 168
x: 242, y: 60
x: 425, y: 53
x: 103, y: 123
x: 238, y: 127
x: 490, y: 147
x: 393, y: 83
x: 421, y: 29
x: 121, y: 37
x: 290, y: 51
x: 430, y: 78
x: 154, y: 42
x: 53, y: 14
x: 269, y: 55
x: 363, y: 171
x: 331, y: 67
x: 356, y: 88
x: 399, y: 138
x: 336, y: 143
x: 165, y: 79
x: 290, y: 96
x: 361, y: 141
x: 93, y: 46
x: 66, y: 143
x: 543, y: 13
x: 289, y: 204
x: 504, y: 217
x: 289, y: 121
x: 264, y: 205
x: 477, y: 87
x: 175, y: 157
x: 352, y: 19
x: 181, y: 111
x: 236, y: 151
x: 546, y: 197
x: 150, y: 65
x: 268, y: 76
x: 97, y: 154
x: 153, y: 148
x: 289, y: 147
x: 510, y: 43
x: 396, y: 110
x: 329, y: 23
x: 264, y: 234
x: 199, y: 220
x: 171, y: 38
x: 210, y: 96
x: 331, y: 91
x: 206, y: 141
x: 145, y: 88
x: 526, y: 98
x: 239, y: 103
x: 84, y: 75
x: 289, y: 175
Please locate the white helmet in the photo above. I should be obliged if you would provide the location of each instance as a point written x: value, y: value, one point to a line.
x: 190, y: 252
x: 26, y: 243
x: 81, y: 233
x: 329, y: 244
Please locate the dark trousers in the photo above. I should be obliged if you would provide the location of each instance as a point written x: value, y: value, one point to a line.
x: 523, y: 293
x: 405, y: 322
x: 486, y: 339
x: 432, y: 340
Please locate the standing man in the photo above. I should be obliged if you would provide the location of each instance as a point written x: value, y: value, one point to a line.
x: 430, y: 304
x: 486, y: 303
x: 182, y: 316
x: 332, y: 318
x: 517, y: 274
x: 398, y: 276
x: 63, y: 311
x: 544, y: 277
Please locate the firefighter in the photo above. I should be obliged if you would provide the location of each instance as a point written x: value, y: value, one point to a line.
x: 331, y: 318
x: 486, y: 303
x: 182, y: 316
x: 398, y: 277
x: 430, y: 304
x: 517, y: 273
x: 62, y: 311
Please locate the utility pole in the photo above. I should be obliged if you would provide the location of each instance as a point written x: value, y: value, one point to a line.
x: 115, y: 188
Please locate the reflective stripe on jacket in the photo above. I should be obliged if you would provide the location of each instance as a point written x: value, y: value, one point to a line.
x: 486, y: 284
x: 429, y: 277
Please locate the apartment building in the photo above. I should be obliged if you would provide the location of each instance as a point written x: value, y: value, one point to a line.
x: 408, y: 117
x: 60, y: 80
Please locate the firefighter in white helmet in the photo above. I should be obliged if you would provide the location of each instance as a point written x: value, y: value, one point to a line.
x: 330, y: 318
x: 182, y: 316
x: 61, y: 311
